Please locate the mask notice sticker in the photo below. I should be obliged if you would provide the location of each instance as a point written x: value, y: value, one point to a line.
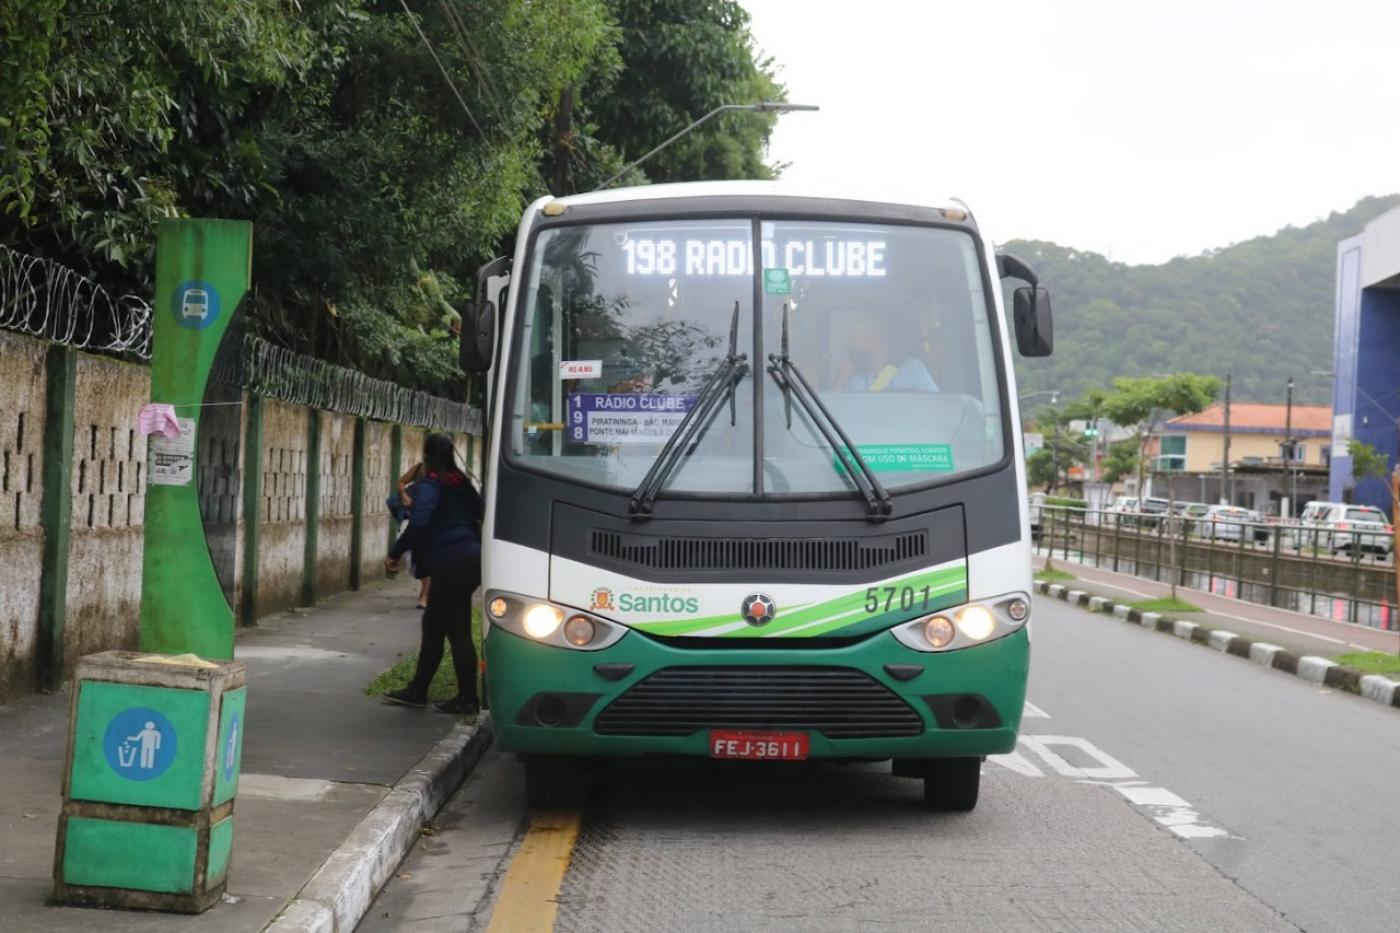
x: 625, y: 418
x: 580, y: 369
x: 902, y: 458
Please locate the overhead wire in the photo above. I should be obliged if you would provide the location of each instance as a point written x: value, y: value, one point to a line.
x: 412, y: 18
x: 459, y: 29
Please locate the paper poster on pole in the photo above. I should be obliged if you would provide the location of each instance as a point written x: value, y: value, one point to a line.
x: 172, y: 458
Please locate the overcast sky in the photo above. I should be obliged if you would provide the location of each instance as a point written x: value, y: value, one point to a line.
x: 1143, y: 130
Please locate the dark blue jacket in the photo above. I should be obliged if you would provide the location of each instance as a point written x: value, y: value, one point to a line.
x: 443, y: 521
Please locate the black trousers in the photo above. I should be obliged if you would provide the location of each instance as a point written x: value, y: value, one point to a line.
x: 449, y: 616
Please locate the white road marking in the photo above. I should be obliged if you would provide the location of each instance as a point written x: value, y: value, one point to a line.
x: 1150, y: 796
x: 1107, y: 769
x: 1015, y: 761
x: 1034, y: 712
x: 1160, y: 804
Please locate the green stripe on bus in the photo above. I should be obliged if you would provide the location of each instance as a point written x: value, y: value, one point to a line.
x: 946, y: 585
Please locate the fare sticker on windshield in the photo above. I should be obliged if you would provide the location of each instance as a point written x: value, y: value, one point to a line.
x: 902, y: 458
x: 580, y: 369
x: 625, y: 418
x: 776, y: 282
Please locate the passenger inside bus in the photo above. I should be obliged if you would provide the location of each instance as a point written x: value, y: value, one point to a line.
x: 874, y: 364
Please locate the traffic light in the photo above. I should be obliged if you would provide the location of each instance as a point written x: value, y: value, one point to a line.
x: 1091, y: 431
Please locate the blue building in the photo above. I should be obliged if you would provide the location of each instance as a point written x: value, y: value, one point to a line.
x: 1366, y: 363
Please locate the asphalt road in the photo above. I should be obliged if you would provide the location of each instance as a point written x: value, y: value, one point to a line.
x: 1159, y: 786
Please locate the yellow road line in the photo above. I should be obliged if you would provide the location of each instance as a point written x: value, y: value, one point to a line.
x: 528, y: 899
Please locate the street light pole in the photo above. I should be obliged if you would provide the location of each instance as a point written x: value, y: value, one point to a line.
x: 1288, y: 452
x: 766, y: 106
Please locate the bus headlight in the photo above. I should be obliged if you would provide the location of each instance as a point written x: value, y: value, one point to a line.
x: 967, y: 625
x: 939, y: 631
x: 579, y: 630
x: 542, y: 620
x: 976, y: 622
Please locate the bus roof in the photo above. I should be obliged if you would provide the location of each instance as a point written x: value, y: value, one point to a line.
x: 762, y: 189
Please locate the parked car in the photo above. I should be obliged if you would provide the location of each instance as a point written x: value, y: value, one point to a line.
x: 1336, y: 526
x: 1153, y: 510
x: 1187, y: 513
x: 1223, y: 522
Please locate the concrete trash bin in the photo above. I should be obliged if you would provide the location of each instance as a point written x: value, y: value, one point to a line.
x: 154, y: 747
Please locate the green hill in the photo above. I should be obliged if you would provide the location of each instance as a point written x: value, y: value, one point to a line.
x: 1260, y: 310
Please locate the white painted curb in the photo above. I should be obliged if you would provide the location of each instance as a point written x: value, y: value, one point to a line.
x: 1183, y: 629
x: 1120, y: 610
x: 1220, y: 639
x: 339, y: 895
x: 1097, y: 604
x: 1262, y: 653
x: 1314, y: 668
x: 1150, y: 619
x: 1075, y: 596
x: 1055, y: 589
x: 1378, y: 688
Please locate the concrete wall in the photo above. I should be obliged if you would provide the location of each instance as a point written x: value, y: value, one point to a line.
x: 108, y: 484
x: 282, y: 517
x: 219, y: 471
x: 22, y: 377
x: 335, y: 525
x: 379, y: 481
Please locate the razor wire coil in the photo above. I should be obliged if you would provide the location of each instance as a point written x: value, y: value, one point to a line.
x: 43, y: 298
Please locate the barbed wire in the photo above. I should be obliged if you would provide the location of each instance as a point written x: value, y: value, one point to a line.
x: 274, y: 372
x: 43, y: 298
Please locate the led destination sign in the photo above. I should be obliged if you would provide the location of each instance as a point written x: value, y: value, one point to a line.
x: 811, y: 258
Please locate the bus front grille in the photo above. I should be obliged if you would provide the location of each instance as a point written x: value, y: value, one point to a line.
x: 771, y: 554
x: 840, y: 703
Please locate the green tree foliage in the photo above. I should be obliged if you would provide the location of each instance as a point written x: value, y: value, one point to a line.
x: 1260, y: 310
x: 1121, y: 460
x: 676, y: 61
x: 1142, y: 403
x: 381, y: 155
x: 1366, y: 461
x: 1064, y: 448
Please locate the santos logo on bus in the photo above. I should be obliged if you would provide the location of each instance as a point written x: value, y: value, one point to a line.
x: 603, y: 601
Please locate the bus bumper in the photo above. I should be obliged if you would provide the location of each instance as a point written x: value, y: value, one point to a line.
x: 577, y: 686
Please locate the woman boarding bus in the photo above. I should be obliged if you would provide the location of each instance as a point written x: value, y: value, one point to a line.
x: 755, y: 485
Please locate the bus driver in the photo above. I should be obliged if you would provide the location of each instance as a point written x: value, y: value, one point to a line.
x: 872, y: 366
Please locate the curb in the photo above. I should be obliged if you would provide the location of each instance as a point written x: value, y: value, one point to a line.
x: 340, y: 893
x: 1316, y: 670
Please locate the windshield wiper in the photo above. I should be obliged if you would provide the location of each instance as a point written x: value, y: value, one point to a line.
x: 696, y: 422
x: 794, y: 385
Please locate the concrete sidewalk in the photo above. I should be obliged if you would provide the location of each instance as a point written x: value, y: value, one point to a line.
x: 317, y: 757
x: 1295, y: 631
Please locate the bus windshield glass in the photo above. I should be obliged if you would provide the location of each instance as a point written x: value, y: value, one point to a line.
x: 623, y: 324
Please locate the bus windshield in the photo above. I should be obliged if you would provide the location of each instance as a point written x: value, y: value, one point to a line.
x: 624, y: 323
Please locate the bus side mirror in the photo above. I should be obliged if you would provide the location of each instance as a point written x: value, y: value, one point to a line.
x: 478, y: 338
x: 1035, y: 334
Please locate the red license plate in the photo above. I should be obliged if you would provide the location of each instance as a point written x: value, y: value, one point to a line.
x: 767, y: 746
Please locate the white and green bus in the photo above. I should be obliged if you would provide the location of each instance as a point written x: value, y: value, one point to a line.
x: 754, y: 484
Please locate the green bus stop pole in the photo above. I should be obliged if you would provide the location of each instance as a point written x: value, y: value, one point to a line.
x: 203, y: 270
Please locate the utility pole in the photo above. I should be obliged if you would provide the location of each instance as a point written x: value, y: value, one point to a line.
x: 1225, y: 455
x: 1288, y: 451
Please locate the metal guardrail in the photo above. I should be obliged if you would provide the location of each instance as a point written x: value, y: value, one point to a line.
x: 42, y: 298
x: 1341, y: 574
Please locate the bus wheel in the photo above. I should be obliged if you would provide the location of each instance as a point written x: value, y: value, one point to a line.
x: 552, y: 782
x: 952, y: 783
